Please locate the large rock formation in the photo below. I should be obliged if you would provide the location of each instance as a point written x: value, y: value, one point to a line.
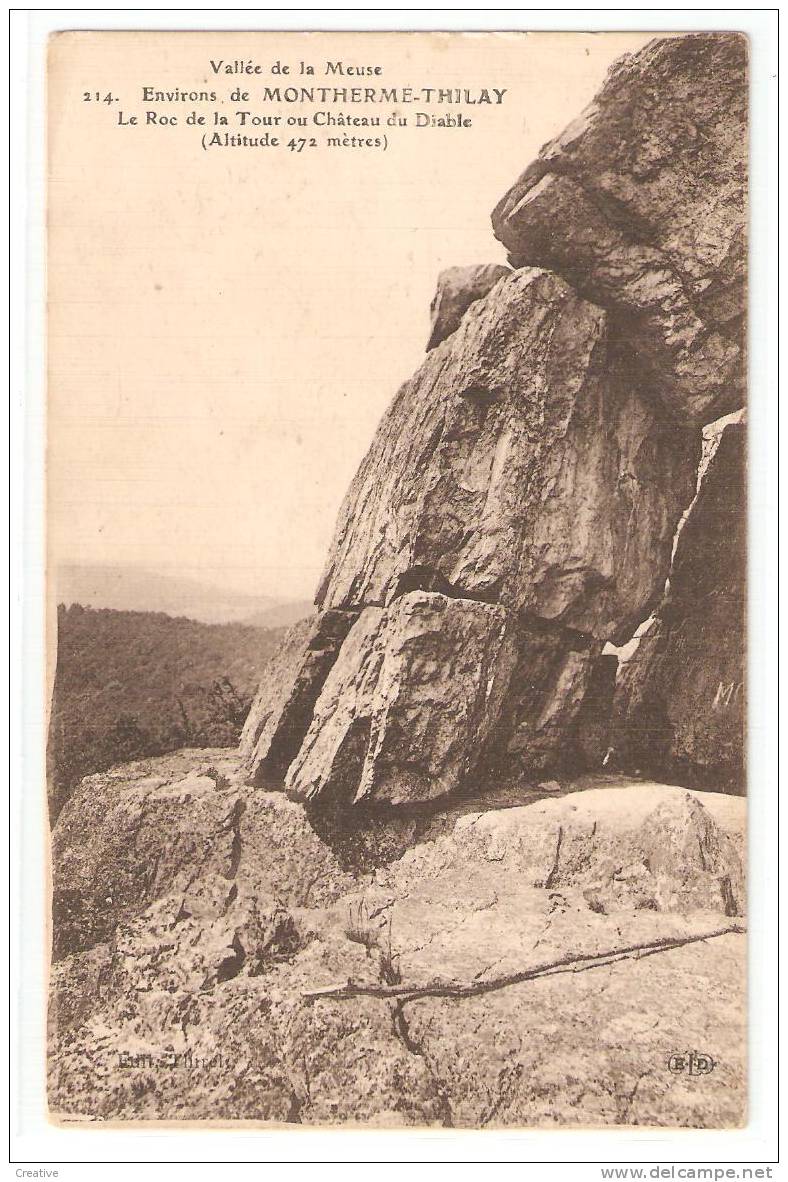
x: 526, y: 484
x: 641, y: 204
x: 191, y: 1001
x: 518, y: 466
x: 523, y: 480
x: 680, y: 703
x: 130, y: 835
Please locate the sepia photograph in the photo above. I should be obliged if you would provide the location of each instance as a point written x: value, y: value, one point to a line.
x: 396, y: 756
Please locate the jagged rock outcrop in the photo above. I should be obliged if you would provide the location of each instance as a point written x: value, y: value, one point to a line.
x: 282, y: 709
x: 518, y: 466
x: 128, y: 836
x: 524, y: 483
x: 680, y: 705
x: 376, y: 733
x: 456, y: 290
x: 528, y: 480
x: 641, y: 204
x: 425, y: 957
x: 193, y: 1002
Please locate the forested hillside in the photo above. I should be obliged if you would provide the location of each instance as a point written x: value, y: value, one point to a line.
x: 131, y: 684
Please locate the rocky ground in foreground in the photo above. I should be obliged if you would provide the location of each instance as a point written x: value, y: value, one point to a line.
x: 192, y: 915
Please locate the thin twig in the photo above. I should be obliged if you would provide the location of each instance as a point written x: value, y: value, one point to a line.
x: 569, y: 964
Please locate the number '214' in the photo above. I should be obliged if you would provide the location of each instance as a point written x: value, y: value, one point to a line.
x: 95, y: 96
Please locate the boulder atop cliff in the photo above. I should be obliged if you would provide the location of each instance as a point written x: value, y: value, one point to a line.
x: 535, y: 468
x: 641, y: 203
x: 537, y: 465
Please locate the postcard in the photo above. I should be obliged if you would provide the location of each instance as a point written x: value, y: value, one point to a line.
x: 396, y: 530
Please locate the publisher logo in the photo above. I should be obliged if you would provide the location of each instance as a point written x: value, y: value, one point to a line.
x: 691, y: 1063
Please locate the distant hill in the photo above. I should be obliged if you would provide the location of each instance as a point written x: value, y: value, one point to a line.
x: 283, y: 615
x: 131, y: 684
x: 135, y: 588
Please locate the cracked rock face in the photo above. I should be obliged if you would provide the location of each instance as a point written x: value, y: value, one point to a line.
x: 680, y: 705
x: 282, y: 709
x: 542, y: 713
x: 516, y: 509
x: 204, y: 980
x: 456, y: 290
x: 376, y: 733
x: 195, y: 939
x: 641, y: 204
x: 112, y: 849
x: 518, y: 466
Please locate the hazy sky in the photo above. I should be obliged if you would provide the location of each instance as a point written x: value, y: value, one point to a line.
x: 226, y: 327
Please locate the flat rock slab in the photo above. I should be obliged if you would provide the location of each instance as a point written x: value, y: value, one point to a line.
x: 642, y: 850
x: 193, y: 1005
x: 592, y: 1049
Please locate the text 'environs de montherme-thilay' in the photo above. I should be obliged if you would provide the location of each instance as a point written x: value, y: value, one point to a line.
x: 329, y: 95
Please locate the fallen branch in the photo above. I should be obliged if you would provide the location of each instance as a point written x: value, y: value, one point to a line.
x: 569, y: 964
